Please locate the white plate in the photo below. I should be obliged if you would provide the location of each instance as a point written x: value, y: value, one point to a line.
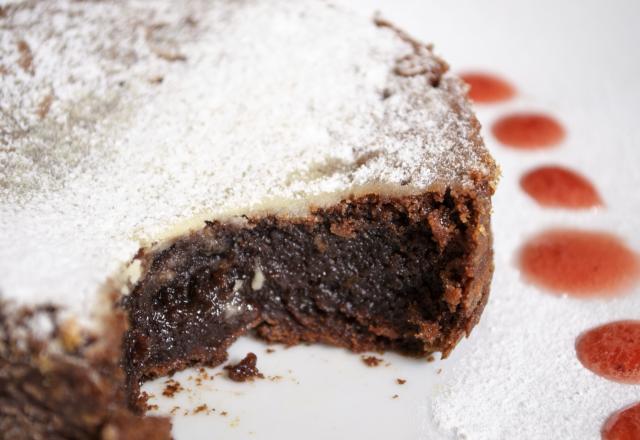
x: 517, y: 376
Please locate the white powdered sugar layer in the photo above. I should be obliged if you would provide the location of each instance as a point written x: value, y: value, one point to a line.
x: 118, y: 121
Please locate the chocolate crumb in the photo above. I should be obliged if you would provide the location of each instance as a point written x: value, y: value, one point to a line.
x: 245, y: 370
x: 26, y: 57
x: 172, y: 388
x: 143, y: 398
x: 371, y: 361
x: 320, y: 244
x: 401, y: 381
x: 174, y: 410
x: 431, y: 358
x: 224, y: 413
x: 44, y: 106
x: 345, y: 229
x: 152, y: 407
x: 170, y: 56
x: 270, y: 350
x: 202, y: 376
x: 201, y: 408
x: 395, y: 396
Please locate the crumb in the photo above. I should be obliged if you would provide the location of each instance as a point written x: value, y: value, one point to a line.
x: 235, y: 422
x: 347, y: 229
x: 371, y: 361
x: 275, y: 378
x: 321, y: 245
x: 44, y: 106
x: 26, y: 57
x: 143, y: 398
x: 169, y: 56
x: 174, y: 410
x: 439, y: 371
x: 224, y: 413
x: 152, y: 407
x: 270, y: 350
x: 431, y: 358
x: 245, y: 370
x: 202, y: 375
x: 172, y: 388
x: 395, y: 396
x: 401, y: 381
x: 201, y: 408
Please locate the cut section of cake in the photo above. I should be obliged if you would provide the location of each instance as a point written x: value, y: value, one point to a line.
x: 177, y: 175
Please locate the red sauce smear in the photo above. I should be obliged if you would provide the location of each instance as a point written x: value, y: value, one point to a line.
x: 487, y: 88
x: 580, y: 263
x: 558, y: 187
x: 612, y: 351
x: 528, y: 131
x: 623, y: 425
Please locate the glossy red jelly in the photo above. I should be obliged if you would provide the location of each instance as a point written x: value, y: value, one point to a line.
x: 579, y: 263
x: 528, y: 131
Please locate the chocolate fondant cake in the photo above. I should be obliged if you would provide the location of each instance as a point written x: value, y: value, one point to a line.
x: 176, y: 174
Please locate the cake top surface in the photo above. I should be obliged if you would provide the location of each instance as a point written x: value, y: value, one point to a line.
x: 119, y: 120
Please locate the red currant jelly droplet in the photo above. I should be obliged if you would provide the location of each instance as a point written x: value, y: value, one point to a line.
x: 528, y: 131
x: 579, y: 263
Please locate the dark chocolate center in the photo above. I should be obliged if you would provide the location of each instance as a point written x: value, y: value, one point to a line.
x: 366, y: 274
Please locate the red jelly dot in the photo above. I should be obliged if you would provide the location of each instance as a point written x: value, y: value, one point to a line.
x: 528, y: 131
x: 580, y: 263
x: 555, y: 186
x: 623, y: 425
x: 487, y: 88
x: 612, y: 351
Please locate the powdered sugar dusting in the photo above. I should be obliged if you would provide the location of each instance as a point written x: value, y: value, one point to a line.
x: 135, y: 116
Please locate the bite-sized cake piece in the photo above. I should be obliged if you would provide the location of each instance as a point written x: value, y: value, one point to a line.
x: 177, y: 174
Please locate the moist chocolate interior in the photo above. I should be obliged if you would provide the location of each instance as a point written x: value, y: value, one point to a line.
x: 371, y: 273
